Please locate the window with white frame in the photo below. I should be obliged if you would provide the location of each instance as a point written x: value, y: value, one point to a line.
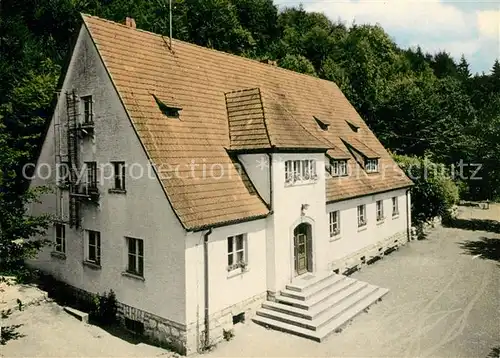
x: 88, y: 110
x: 380, y: 210
x: 395, y: 207
x: 119, y: 175
x: 236, y: 252
x: 91, y: 174
x: 339, y: 167
x: 361, y: 215
x: 334, y: 223
x: 371, y: 165
x: 135, y: 256
x: 93, y: 247
x: 60, y: 238
x: 300, y: 171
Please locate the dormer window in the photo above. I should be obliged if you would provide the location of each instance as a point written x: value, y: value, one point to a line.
x: 371, y: 165
x: 354, y: 127
x: 339, y: 168
x: 168, y: 110
x: 322, y: 124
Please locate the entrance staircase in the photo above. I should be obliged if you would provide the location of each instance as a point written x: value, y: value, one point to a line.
x: 314, y: 306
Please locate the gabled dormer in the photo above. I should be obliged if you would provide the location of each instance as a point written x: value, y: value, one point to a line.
x: 366, y: 157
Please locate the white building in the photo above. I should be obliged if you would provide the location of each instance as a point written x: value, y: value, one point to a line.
x: 205, y: 185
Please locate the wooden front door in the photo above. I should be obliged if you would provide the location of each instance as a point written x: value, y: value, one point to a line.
x: 302, y: 248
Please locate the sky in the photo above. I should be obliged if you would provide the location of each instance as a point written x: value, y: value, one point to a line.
x: 469, y: 27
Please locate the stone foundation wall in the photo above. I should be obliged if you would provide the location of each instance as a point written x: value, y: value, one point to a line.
x: 221, y: 321
x: 166, y: 333
x: 369, y: 254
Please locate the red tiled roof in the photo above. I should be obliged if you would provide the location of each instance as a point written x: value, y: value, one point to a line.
x: 200, y: 81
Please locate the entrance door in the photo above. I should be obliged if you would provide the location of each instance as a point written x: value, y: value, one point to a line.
x: 302, y: 248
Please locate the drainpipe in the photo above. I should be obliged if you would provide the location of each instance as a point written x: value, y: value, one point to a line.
x: 408, y: 223
x: 205, y: 269
x: 270, y: 181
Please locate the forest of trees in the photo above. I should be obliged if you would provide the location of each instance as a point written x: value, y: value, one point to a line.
x: 418, y: 104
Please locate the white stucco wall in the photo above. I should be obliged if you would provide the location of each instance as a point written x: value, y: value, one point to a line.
x: 143, y: 212
x: 352, y: 238
x: 257, y: 167
x: 287, y: 202
x: 225, y: 288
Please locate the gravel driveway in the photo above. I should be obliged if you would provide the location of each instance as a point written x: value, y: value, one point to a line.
x: 444, y: 302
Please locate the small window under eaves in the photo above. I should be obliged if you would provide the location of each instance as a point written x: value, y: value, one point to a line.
x: 354, y: 127
x: 168, y: 110
x: 322, y: 124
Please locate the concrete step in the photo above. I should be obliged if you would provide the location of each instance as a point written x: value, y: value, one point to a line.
x: 316, y: 322
x: 288, y: 328
x: 302, y: 283
x: 355, y: 307
x: 349, y: 314
x: 312, y: 312
x: 333, y: 294
x: 81, y: 316
x: 307, y: 292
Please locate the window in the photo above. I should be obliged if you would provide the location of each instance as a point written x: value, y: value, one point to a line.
x: 119, y: 175
x: 322, y: 124
x: 236, y: 252
x: 339, y: 167
x: 88, y: 114
x: 361, y: 215
x: 299, y: 171
x: 371, y: 165
x: 334, y: 223
x: 91, y: 174
x: 169, y: 111
x: 135, y: 256
x: 380, y: 210
x: 60, y: 239
x: 94, y: 247
x: 63, y: 173
x: 353, y: 127
x: 395, y: 208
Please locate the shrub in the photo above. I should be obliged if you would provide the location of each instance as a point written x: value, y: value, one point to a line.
x: 434, y: 192
x: 103, y: 308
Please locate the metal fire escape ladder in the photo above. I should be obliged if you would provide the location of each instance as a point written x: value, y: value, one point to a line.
x: 73, y: 163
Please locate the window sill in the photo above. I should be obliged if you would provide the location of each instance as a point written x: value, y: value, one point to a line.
x: 381, y: 221
x: 92, y: 265
x: 299, y: 183
x: 58, y: 255
x: 237, y: 272
x: 362, y: 228
x: 335, y: 237
x: 117, y: 191
x: 394, y: 217
x: 133, y: 275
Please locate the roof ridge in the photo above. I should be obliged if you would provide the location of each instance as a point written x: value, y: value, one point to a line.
x: 214, y: 50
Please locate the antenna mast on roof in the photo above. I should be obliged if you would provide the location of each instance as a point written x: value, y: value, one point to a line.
x: 170, y: 20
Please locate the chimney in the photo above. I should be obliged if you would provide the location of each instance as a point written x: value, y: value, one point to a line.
x: 270, y: 62
x: 130, y: 22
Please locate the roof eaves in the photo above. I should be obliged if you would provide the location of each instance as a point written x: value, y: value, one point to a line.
x: 404, y: 186
x: 227, y: 223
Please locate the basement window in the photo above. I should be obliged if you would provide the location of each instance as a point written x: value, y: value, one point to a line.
x: 322, y: 124
x: 239, y: 318
x: 169, y: 111
x: 134, y: 326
